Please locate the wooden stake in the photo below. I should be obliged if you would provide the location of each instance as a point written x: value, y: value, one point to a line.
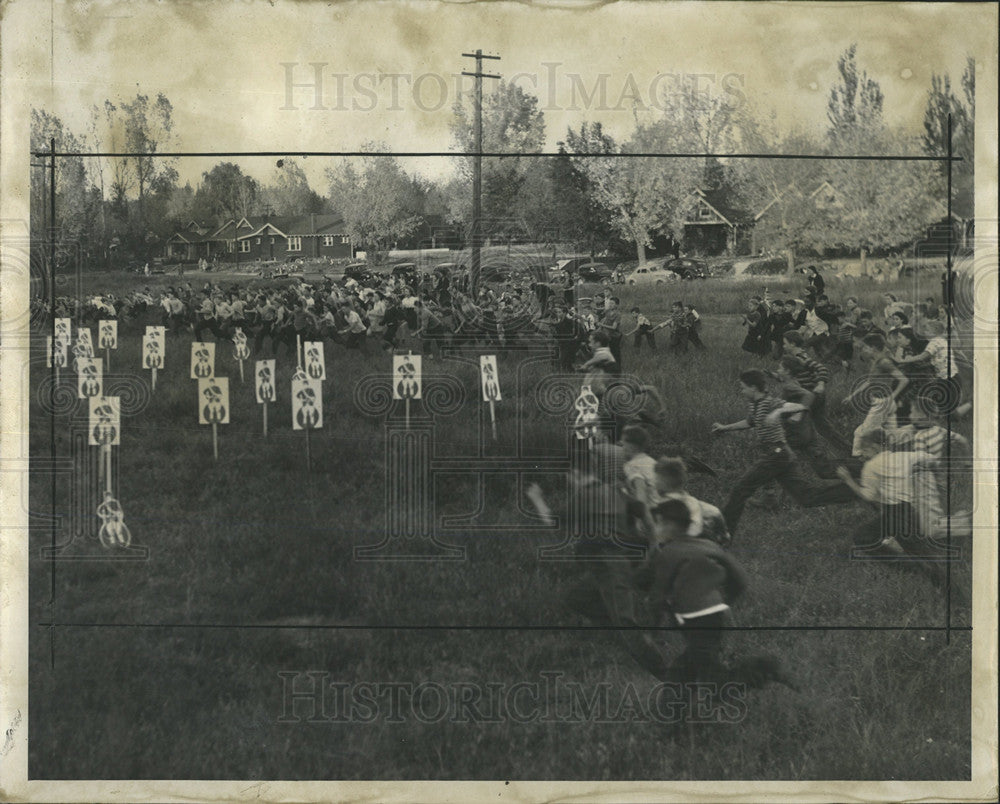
x: 493, y: 418
x: 215, y: 440
x: 308, y: 450
x: 241, y: 372
x: 107, y: 359
x: 154, y: 378
x: 107, y: 472
x: 407, y: 413
x: 265, y: 419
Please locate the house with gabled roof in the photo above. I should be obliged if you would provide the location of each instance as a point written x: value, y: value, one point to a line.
x: 712, y: 225
x: 265, y: 237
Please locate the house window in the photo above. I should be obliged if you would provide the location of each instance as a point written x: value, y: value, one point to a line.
x: 258, y: 241
x: 345, y: 239
x: 230, y: 246
x: 245, y: 246
x: 295, y: 243
x: 327, y: 240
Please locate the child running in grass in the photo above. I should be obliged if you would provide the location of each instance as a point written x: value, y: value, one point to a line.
x: 696, y: 581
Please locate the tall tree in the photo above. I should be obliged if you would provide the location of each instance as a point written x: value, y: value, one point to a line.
x: 78, y: 202
x: 289, y: 192
x: 942, y: 102
x: 854, y: 108
x: 642, y: 196
x: 228, y: 193
x: 512, y: 123
x: 379, y: 201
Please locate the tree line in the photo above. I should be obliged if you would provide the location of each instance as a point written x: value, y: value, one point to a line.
x: 594, y: 193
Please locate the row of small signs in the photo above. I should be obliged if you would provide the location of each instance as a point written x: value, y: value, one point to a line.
x: 213, y: 392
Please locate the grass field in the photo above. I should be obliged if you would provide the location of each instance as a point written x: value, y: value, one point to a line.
x: 166, y: 688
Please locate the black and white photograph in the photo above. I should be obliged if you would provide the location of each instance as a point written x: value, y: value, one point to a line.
x: 514, y: 401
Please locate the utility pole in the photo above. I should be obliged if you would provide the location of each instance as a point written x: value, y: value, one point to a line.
x: 477, y: 163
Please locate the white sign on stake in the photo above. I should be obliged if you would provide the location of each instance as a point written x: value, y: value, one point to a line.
x: 213, y: 400
x: 64, y: 328
x: 406, y: 377
x: 315, y: 361
x: 90, y: 377
x: 264, y: 385
x: 84, y: 339
x: 108, y: 330
x: 241, y: 351
x: 61, y: 353
x: 153, y: 347
x: 307, y: 404
x: 202, y: 360
x: 490, y: 378
x: 105, y: 421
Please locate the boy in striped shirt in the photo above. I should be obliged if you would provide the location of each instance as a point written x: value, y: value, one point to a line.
x: 776, y: 461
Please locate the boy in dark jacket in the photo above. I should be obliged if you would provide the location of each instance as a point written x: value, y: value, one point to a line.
x: 696, y: 580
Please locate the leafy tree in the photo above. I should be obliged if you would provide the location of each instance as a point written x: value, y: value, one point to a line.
x: 641, y: 196
x: 228, y: 193
x: 854, y: 109
x: 289, y: 192
x: 380, y: 203
x: 78, y: 201
x: 942, y: 102
x: 512, y: 123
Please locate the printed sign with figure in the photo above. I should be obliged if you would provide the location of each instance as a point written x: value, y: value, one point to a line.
x: 85, y: 341
x: 213, y: 400
x: 105, y: 421
x: 264, y: 373
x: 202, y: 360
x: 90, y: 379
x: 63, y: 330
x: 61, y: 353
x: 307, y: 404
x: 153, y: 347
x: 315, y: 361
x: 406, y: 379
x: 490, y: 379
x: 241, y: 351
x: 587, y: 419
x: 108, y: 330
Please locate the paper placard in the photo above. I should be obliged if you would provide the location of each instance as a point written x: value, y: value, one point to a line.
x: 90, y: 377
x: 61, y: 354
x: 154, y: 347
x: 490, y: 378
x: 315, y: 360
x: 307, y: 404
x: 213, y: 400
x: 241, y: 350
x: 264, y: 381
x: 105, y: 421
x: 107, y: 334
x: 202, y: 360
x: 406, y: 377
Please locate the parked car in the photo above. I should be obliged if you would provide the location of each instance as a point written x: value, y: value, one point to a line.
x: 594, y: 272
x: 651, y: 273
x: 687, y: 268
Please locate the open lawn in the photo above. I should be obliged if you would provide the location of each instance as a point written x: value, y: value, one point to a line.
x: 171, y: 667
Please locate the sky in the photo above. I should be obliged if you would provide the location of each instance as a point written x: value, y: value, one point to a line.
x: 389, y: 72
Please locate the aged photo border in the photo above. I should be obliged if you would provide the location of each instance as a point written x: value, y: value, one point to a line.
x: 13, y: 560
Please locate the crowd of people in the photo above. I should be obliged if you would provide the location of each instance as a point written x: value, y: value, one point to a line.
x: 909, y: 389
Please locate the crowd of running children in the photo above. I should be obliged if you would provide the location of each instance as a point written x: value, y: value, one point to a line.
x: 435, y: 308
x: 642, y: 534
x: 675, y: 545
